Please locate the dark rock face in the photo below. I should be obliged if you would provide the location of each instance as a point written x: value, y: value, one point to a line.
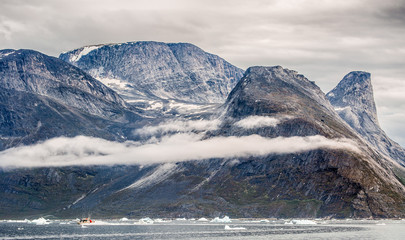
x: 156, y: 70
x: 353, y: 99
x: 336, y: 181
x: 26, y: 118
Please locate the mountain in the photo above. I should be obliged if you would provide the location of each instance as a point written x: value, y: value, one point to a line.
x: 307, y: 162
x: 44, y: 97
x: 353, y: 99
x: 155, y: 70
x: 34, y: 72
x: 317, y: 179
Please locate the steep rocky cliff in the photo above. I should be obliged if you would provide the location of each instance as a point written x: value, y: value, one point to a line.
x: 353, y: 99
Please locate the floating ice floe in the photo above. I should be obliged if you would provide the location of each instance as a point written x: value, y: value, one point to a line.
x: 234, y: 228
x: 226, y: 219
x: 17, y: 221
x: 304, y: 221
x: 301, y: 222
x: 124, y: 219
x: 159, y: 220
x: 41, y: 221
x: 202, y: 220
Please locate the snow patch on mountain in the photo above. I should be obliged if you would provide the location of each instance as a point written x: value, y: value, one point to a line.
x: 5, y: 53
x: 84, y: 51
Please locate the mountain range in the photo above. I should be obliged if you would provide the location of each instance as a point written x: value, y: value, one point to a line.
x: 265, y: 142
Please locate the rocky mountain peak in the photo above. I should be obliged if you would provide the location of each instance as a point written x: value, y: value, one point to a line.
x: 275, y: 89
x: 353, y: 100
x: 355, y: 91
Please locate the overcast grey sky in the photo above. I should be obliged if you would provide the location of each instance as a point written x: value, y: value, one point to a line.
x: 322, y: 39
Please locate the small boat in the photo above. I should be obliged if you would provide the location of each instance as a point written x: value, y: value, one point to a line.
x: 85, y: 221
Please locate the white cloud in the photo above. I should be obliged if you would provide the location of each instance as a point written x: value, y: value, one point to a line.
x: 252, y: 122
x: 176, y: 148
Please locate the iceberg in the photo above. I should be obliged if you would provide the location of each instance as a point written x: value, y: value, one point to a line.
x: 41, y: 221
x: 226, y: 219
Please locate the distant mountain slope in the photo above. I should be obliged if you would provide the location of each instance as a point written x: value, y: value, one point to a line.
x: 34, y: 72
x: 353, y: 99
x: 43, y: 97
x: 157, y: 70
x: 27, y: 118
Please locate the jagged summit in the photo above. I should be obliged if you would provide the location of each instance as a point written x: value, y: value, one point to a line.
x: 353, y: 99
x: 355, y: 91
x: 156, y: 70
x: 275, y: 90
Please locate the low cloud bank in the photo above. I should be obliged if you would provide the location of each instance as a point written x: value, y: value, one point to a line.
x: 82, y: 150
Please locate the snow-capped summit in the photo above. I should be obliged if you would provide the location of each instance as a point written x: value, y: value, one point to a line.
x: 144, y: 70
x: 353, y: 99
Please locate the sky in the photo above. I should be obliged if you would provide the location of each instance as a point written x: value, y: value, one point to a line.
x: 321, y: 39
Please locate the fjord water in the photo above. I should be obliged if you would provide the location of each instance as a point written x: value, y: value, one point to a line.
x: 188, y: 229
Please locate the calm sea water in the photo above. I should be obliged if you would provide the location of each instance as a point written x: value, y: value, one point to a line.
x: 188, y: 229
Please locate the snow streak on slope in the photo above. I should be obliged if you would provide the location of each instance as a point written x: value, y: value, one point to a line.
x: 84, y: 51
x: 159, y: 174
